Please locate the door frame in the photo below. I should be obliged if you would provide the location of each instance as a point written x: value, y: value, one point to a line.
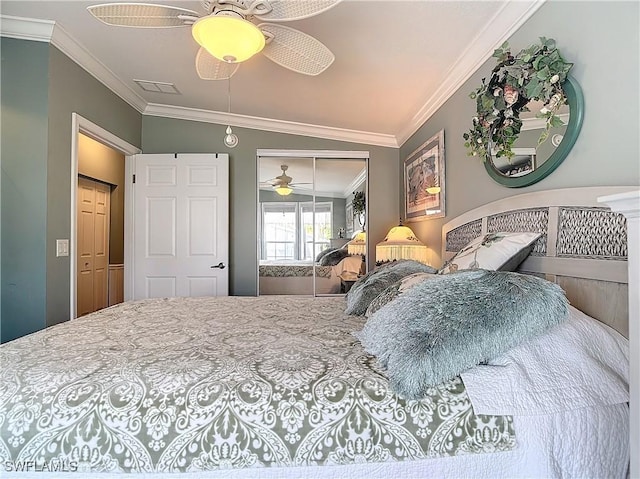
x: 79, y: 125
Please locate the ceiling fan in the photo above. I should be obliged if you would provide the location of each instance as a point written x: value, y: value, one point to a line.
x: 219, y: 55
x: 282, y: 184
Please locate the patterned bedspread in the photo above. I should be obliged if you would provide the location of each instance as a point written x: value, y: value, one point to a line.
x: 293, y: 270
x: 206, y: 383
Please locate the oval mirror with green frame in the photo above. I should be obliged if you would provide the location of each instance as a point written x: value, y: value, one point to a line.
x: 535, y: 169
x: 529, y: 114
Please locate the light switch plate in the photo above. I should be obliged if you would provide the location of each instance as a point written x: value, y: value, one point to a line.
x: 62, y: 247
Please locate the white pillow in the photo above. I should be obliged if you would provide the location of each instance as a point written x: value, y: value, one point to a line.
x: 579, y: 363
x: 500, y: 251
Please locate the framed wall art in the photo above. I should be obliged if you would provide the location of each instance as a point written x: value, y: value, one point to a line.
x: 424, y: 181
x: 349, y: 218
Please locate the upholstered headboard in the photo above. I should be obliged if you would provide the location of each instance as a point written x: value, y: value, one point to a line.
x: 583, y: 246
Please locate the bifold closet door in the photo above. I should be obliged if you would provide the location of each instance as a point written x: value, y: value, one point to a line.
x: 93, y: 245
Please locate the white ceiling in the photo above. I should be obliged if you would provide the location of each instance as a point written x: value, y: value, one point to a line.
x: 396, y: 62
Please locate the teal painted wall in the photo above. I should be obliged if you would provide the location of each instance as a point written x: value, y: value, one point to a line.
x: 72, y: 89
x: 24, y: 118
x: 166, y: 135
x: 38, y: 99
x: 602, y: 40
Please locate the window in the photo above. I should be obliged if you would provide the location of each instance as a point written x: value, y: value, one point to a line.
x: 323, y: 222
x: 279, y: 227
x: 288, y: 230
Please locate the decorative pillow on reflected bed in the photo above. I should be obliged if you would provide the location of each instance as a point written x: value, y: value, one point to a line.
x: 438, y: 329
x: 501, y: 251
x: 374, y: 282
x: 332, y: 258
x: 324, y: 252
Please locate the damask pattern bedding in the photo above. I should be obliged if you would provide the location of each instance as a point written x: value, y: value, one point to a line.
x: 193, y: 384
x: 279, y: 270
x: 296, y: 277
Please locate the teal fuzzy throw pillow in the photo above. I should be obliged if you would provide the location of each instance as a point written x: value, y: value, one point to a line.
x: 375, y: 282
x: 438, y: 329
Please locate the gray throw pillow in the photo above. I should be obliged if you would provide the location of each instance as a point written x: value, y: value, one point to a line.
x: 388, y: 294
x: 438, y: 329
x: 396, y: 289
x: 332, y: 258
x: 373, y: 283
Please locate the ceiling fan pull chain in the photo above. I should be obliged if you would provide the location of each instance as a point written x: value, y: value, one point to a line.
x: 230, y: 139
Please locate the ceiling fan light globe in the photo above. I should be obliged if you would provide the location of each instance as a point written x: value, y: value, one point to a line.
x: 230, y: 39
x: 283, y: 190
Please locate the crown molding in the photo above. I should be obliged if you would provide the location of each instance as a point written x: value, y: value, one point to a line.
x: 26, y: 28
x: 267, y: 124
x: 503, y: 24
x: 83, y: 57
x: 540, y: 123
x: 48, y: 31
x: 357, y: 181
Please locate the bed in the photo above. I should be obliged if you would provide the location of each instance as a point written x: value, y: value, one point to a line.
x: 261, y: 387
x: 297, y: 277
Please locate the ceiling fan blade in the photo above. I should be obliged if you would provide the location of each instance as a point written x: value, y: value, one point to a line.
x: 295, y: 50
x: 288, y: 10
x: 142, y: 15
x: 210, y: 68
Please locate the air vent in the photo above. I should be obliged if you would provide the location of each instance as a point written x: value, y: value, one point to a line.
x: 157, y: 87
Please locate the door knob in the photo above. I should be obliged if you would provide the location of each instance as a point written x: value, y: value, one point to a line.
x: 219, y: 266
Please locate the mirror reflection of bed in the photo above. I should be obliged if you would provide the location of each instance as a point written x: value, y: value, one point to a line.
x: 306, y: 221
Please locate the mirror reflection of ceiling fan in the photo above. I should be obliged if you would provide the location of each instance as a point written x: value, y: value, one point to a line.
x: 228, y: 35
x: 282, y: 184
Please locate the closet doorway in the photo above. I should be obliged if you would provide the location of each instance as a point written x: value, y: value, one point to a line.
x: 99, y: 243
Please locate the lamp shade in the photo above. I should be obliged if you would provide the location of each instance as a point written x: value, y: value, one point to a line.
x: 358, y: 245
x: 228, y: 38
x: 283, y: 190
x: 401, y: 243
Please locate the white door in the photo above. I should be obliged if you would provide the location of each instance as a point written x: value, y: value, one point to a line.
x: 181, y: 225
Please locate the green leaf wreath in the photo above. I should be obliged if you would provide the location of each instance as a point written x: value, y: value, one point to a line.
x: 535, y: 73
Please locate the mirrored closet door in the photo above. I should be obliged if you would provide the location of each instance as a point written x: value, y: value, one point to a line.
x: 311, y: 232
